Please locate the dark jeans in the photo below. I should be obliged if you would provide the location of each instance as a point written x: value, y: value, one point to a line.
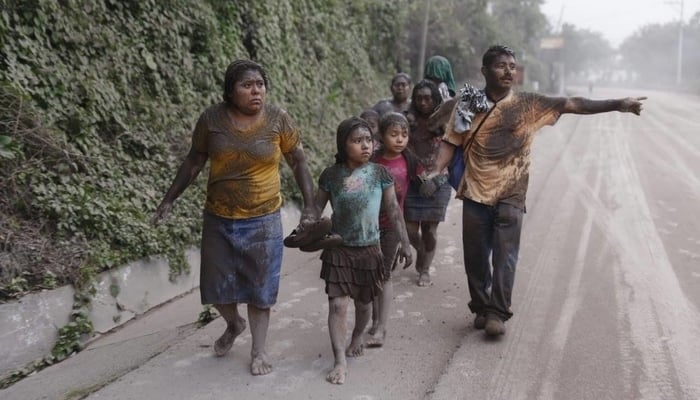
x: 491, y: 232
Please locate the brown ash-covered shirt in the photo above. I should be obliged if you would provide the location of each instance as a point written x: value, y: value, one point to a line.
x: 498, y: 160
x: 244, y: 179
x: 423, y: 142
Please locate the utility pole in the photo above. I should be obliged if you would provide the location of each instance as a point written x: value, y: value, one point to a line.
x: 679, y: 60
x: 559, y: 64
x: 679, y: 68
x: 424, y: 38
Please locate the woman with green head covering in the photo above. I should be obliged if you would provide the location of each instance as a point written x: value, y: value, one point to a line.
x: 439, y: 70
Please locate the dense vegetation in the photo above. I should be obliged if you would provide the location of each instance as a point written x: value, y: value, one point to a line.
x: 97, y: 100
x: 98, y: 97
x: 463, y: 30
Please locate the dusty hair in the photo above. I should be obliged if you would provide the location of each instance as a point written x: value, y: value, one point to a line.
x: 494, y: 51
x: 387, y: 121
x: 235, y: 71
x: 369, y: 113
x: 401, y: 75
x: 341, y: 137
x: 392, y: 118
x: 434, y: 93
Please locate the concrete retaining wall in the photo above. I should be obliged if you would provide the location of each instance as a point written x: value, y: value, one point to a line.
x: 131, y: 290
x: 29, y: 326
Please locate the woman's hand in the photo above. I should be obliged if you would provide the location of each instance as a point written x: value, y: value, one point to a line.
x: 162, y: 212
x: 428, y: 186
x: 186, y: 174
x: 309, y: 214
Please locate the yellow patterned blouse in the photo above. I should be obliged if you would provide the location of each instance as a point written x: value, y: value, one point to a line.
x: 244, y: 178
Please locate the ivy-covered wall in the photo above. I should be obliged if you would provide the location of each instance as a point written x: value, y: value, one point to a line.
x: 98, y: 98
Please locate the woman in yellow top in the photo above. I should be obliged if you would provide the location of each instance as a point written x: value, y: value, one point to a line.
x: 241, y: 249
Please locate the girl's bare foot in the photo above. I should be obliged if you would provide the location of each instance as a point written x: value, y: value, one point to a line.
x: 259, y: 365
x: 337, y: 375
x: 224, y: 343
x: 356, y: 348
x: 424, y: 279
x: 375, y: 339
x: 372, y: 330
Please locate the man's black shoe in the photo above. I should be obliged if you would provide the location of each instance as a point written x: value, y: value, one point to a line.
x: 494, y: 326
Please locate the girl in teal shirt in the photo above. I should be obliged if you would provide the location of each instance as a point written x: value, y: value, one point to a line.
x: 358, y: 190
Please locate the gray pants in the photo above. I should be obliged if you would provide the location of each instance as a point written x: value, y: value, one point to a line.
x: 491, y: 232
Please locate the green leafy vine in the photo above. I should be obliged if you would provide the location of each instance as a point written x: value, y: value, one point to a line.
x: 97, y: 103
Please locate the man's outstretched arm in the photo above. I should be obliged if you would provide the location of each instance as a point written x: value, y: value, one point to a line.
x: 581, y: 105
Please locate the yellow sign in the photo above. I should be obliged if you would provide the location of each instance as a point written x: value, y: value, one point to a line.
x: 552, y: 42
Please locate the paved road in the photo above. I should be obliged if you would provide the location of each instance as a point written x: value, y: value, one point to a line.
x: 608, y: 287
x: 606, y: 298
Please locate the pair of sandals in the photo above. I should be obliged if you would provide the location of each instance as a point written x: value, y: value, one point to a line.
x: 313, y: 236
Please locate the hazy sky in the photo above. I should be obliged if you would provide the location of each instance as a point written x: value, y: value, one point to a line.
x: 617, y: 19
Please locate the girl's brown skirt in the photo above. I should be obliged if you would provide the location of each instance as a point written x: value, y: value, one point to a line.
x: 357, y: 272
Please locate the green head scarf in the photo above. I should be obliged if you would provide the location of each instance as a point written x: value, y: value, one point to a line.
x: 439, y: 68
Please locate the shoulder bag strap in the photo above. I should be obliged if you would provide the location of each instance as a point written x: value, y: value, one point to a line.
x: 471, y: 138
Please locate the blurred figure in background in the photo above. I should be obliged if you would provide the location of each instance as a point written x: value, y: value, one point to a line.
x: 424, y: 212
x: 439, y: 71
x: 399, y: 100
x: 372, y: 118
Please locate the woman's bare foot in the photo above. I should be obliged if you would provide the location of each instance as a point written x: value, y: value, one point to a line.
x: 356, y: 348
x: 224, y: 343
x: 259, y: 365
x: 372, y: 330
x: 375, y: 339
x: 337, y: 375
x: 424, y: 279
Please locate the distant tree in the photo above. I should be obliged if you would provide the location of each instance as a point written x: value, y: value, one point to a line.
x: 455, y: 30
x: 585, y: 51
x: 691, y: 57
x: 652, y: 52
x: 462, y: 30
x: 519, y: 24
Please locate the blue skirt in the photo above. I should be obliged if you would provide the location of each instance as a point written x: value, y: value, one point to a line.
x: 241, y: 260
x: 418, y: 208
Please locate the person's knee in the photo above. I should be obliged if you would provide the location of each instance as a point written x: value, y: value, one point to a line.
x: 414, y: 238
x: 430, y: 242
x: 228, y: 311
x: 258, y: 310
x: 363, y: 307
x: 430, y: 236
x: 337, y: 305
x: 412, y: 230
